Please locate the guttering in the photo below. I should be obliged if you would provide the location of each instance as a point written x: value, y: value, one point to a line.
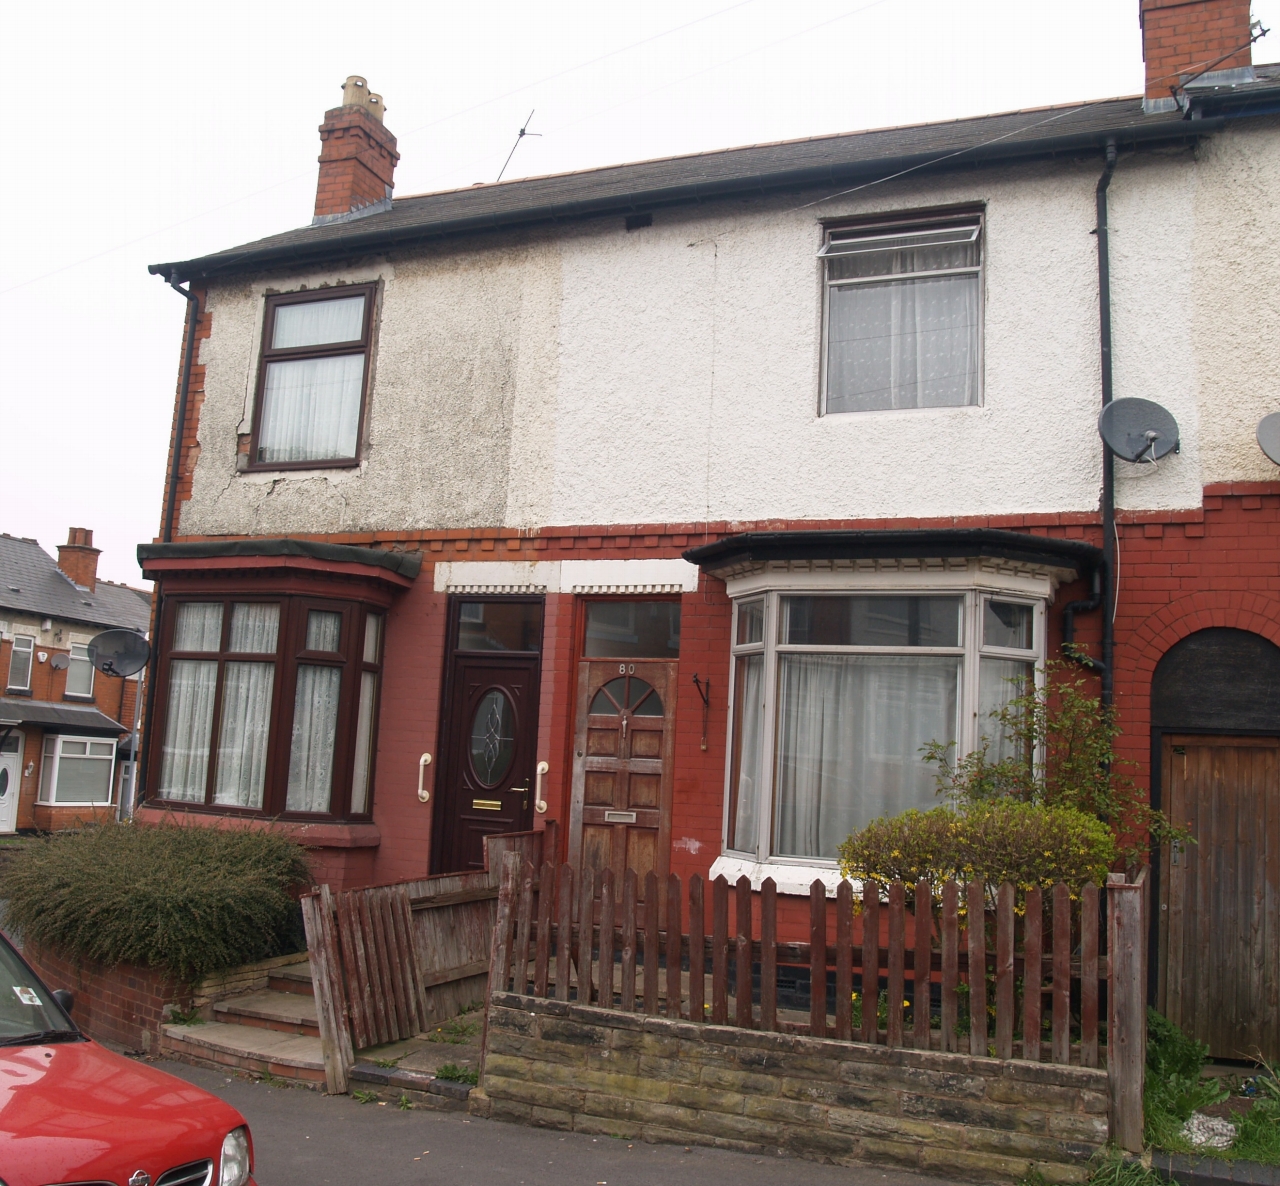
x: 1108, y: 461
x: 384, y: 232
x: 927, y: 543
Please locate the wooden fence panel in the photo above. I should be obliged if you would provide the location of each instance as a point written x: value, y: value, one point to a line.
x: 1004, y: 971
x: 524, y: 927
x: 1126, y: 1007
x: 742, y: 942
x: 586, y: 936
x: 844, y: 961
x: 920, y: 1004
x: 1089, y: 976
x: 651, y: 971
x: 1032, y: 974
x: 675, y: 930
x: 818, y: 959
x: 606, y: 939
x: 697, y: 954
x: 975, y: 932
x: 327, y: 979
x: 1061, y: 974
x: 870, y: 962
x: 720, y: 951
x: 950, y: 943
x: 546, y: 900
x: 629, y: 941
x: 768, y: 954
x: 897, y: 960
x: 564, y: 931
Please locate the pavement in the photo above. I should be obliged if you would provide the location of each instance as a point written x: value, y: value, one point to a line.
x: 304, y: 1138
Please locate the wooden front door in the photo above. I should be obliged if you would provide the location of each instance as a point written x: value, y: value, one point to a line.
x: 486, y: 773
x: 1219, y: 928
x: 623, y: 765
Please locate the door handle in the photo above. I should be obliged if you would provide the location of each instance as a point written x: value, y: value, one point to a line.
x: 539, y: 803
x: 423, y: 763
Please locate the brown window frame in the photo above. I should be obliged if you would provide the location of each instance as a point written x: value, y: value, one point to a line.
x: 289, y: 654
x: 267, y: 355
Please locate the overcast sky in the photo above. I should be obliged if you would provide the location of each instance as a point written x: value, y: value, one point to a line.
x: 149, y: 132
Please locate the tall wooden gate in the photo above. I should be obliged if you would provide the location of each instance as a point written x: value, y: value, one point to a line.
x: 1220, y: 897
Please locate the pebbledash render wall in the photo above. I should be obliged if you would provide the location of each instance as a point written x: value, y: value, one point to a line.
x: 590, y: 1070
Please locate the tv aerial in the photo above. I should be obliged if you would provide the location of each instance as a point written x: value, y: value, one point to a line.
x: 119, y: 652
x: 1269, y: 436
x: 1138, y: 430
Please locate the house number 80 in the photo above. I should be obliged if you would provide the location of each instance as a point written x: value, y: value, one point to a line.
x: 626, y: 669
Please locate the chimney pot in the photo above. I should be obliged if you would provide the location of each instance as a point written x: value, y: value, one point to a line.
x: 78, y: 558
x: 357, y: 157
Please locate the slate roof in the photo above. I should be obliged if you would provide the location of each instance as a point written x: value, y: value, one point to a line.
x: 834, y: 162
x: 32, y: 583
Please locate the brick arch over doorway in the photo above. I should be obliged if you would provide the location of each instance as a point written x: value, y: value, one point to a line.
x: 1143, y: 648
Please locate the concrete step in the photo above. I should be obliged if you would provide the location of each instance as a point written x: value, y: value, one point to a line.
x: 294, y: 978
x: 246, y: 1048
x: 285, y: 1012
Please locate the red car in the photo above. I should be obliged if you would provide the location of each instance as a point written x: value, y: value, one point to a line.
x: 72, y: 1111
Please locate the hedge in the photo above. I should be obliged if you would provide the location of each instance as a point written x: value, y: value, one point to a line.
x: 190, y: 900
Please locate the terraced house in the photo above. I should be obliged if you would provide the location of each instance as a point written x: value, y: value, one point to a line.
x: 674, y: 506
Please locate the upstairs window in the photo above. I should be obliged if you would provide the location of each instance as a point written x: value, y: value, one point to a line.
x: 311, y: 382
x: 79, y: 672
x: 20, y: 663
x: 903, y: 317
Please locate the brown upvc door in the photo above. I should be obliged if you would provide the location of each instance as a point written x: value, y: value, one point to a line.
x: 489, y: 731
x: 623, y: 766
x: 1219, y: 925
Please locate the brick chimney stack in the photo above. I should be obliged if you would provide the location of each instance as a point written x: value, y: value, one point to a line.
x: 78, y: 558
x: 1181, y: 38
x: 357, y: 157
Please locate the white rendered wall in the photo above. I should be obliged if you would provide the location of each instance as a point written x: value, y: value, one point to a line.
x: 671, y: 374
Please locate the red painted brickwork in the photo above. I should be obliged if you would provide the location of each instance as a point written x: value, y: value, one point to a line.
x: 190, y: 444
x: 1181, y: 37
x: 78, y: 558
x: 122, y: 1006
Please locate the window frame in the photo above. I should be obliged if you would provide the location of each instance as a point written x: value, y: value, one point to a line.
x: 907, y: 223
x: 72, y: 660
x: 47, y: 786
x: 974, y: 595
x: 268, y: 354
x: 290, y: 653
x: 30, y: 651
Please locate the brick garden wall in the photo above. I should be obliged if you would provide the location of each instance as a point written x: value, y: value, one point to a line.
x: 121, y: 1006
x: 579, y: 1068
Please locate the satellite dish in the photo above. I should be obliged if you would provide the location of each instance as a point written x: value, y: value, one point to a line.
x: 1269, y: 436
x: 59, y: 662
x: 1138, y: 430
x: 119, y: 652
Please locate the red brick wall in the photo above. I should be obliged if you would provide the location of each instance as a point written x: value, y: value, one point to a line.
x: 122, y: 1006
x: 1185, y: 36
x: 357, y: 161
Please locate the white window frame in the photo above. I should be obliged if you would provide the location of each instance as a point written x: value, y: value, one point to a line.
x: 975, y: 586
x: 50, y: 762
x: 30, y: 650
x: 73, y: 662
x: 894, y: 228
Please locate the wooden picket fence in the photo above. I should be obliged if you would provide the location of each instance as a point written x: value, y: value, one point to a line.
x: 607, y: 946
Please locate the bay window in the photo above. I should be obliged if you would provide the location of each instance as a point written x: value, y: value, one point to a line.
x: 836, y: 695
x: 270, y: 705
x: 76, y: 771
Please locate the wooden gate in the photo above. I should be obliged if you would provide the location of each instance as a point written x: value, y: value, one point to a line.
x: 1220, y: 897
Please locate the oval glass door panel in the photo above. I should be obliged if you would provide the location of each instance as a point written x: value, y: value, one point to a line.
x: 4, y: 781
x: 493, y: 738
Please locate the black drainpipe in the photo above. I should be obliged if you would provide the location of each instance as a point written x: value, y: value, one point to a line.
x: 166, y: 532
x: 1108, y: 462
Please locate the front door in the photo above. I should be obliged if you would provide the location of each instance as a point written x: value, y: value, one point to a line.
x: 10, y: 779
x: 623, y: 767
x: 490, y: 730
x: 1219, y: 926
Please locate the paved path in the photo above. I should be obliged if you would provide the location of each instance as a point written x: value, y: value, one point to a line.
x: 303, y: 1138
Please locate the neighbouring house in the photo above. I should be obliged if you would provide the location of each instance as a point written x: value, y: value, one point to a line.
x: 65, y: 728
x: 681, y: 503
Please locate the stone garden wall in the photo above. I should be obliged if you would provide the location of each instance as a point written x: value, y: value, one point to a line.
x: 603, y: 1071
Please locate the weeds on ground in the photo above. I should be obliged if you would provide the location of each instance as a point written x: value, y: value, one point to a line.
x: 387, y: 1064
x: 364, y: 1097
x: 457, y: 1074
x: 405, y: 1104
x: 455, y: 1033
x: 188, y: 1017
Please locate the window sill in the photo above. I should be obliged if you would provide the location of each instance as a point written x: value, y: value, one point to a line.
x: 17, y: 691
x: 77, y: 698
x: 790, y: 879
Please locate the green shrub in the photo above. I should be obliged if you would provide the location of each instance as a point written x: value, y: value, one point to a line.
x: 190, y: 900
x: 1029, y: 844
x: 1174, y: 1088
